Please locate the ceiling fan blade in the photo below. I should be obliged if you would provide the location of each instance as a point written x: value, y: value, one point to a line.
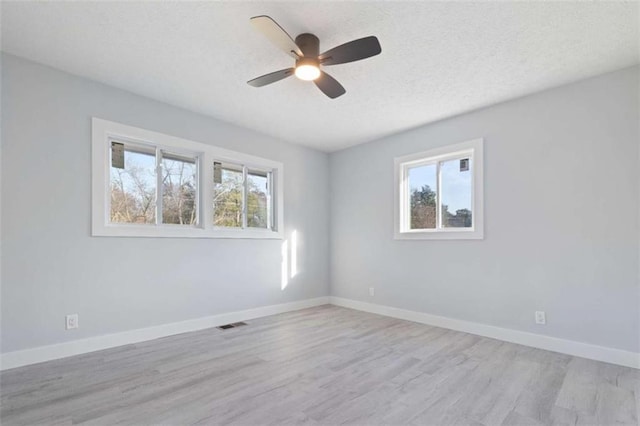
x: 278, y: 36
x: 352, y: 51
x: 272, y: 77
x: 329, y: 85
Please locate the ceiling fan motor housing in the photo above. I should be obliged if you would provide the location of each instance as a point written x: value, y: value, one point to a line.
x: 309, y: 44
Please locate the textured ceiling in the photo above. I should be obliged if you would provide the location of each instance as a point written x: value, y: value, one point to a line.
x: 438, y: 59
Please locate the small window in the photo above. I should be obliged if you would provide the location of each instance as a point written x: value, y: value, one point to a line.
x: 147, y: 184
x: 134, y: 186
x: 258, y: 203
x: 439, y: 193
x: 242, y: 197
x: 228, y: 198
x: 179, y: 188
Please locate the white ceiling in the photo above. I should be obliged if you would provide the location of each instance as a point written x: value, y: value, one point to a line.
x: 438, y: 59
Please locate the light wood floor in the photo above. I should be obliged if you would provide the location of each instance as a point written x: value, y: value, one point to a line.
x: 325, y: 365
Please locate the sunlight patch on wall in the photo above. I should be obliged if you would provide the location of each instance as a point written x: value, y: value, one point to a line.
x: 289, y: 266
x: 284, y: 272
x: 294, y: 253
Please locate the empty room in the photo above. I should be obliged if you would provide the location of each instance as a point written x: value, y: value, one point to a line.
x: 320, y: 213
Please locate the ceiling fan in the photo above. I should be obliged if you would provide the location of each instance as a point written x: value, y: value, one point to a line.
x: 306, y: 51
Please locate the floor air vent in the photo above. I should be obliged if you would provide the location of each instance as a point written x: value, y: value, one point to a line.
x: 234, y: 325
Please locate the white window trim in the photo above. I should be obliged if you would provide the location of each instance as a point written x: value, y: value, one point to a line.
x: 104, y: 131
x: 476, y: 232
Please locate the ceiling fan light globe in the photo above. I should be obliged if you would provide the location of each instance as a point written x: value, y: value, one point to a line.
x: 307, y: 72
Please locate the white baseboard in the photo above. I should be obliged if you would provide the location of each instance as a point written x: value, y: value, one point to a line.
x: 569, y: 347
x: 75, y: 347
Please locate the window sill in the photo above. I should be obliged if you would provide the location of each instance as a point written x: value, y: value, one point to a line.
x: 457, y: 234
x: 152, y: 231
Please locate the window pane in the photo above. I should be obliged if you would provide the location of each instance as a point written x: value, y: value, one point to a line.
x: 257, y: 200
x: 179, y: 186
x: 133, y: 189
x: 227, y: 199
x: 456, y: 189
x: 422, y: 191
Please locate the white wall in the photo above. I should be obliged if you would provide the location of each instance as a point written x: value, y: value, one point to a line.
x: 561, y: 218
x: 51, y: 266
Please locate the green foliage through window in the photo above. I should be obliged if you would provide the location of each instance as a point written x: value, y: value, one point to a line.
x: 228, y: 199
x: 423, y: 212
x: 455, y: 186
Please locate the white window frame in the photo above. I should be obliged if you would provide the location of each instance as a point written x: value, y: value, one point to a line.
x: 402, y: 230
x: 104, y: 132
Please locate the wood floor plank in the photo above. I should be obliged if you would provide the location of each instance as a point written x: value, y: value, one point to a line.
x: 540, y: 393
x: 321, y: 366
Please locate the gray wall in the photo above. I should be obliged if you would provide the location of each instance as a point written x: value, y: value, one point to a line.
x: 51, y: 266
x: 561, y: 218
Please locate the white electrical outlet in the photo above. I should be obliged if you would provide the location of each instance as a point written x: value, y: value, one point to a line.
x: 372, y: 291
x: 541, y: 318
x: 71, y: 321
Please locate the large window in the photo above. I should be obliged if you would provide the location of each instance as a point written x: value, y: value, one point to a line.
x: 439, y: 193
x: 152, y: 185
x: 148, y: 185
